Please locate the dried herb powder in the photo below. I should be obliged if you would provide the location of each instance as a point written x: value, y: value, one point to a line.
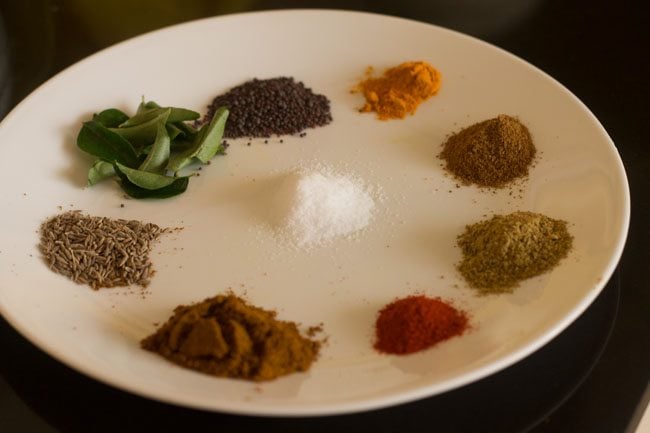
x: 99, y: 251
x: 225, y: 336
x: 491, y: 153
x: 500, y: 252
x: 276, y: 106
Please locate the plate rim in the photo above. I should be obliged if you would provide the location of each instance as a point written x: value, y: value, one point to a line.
x: 356, y: 405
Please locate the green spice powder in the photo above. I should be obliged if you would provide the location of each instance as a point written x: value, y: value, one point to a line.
x: 500, y: 252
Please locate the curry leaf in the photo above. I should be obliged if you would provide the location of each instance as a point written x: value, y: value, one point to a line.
x: 173, y: 131
x: 146, y: 116
x: 177, y: 187
x: 187, y: 129
x: 185, y: 139
x: 210, y: 142
x: 140, y: 149
x: 182, y: 115
x: 176, y: 115
x: 181, y: 144
x: 146, y: 106
x: 99, y: 171
x: 144, y: 179
x: 145, y: 129
x: 206, y: 143
x: 159, y: 152
x: 110, y: 118
x: 99, y: 141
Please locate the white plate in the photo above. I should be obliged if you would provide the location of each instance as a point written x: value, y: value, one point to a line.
x: 409, y: 247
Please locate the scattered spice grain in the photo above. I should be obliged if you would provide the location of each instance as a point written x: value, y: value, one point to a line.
x: 491, y: 153
x: 276, y: 106
x: 99, y: 251
x: 225, y: 336
x: 500, y: 252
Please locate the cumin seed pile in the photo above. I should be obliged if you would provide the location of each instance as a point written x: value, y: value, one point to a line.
x: 99, y: 251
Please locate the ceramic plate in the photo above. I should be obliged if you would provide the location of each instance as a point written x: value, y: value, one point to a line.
x: 229, y: 240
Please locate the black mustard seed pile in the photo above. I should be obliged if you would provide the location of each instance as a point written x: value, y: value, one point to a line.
x: 277, y: 106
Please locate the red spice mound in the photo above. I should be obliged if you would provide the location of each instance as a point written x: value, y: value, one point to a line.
x: 416, y: 323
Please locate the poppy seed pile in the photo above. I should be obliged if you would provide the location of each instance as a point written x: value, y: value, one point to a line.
x: 276, y: 106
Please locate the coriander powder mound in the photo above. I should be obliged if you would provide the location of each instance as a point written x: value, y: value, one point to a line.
x: 501, y: 252
x: 491, y: 153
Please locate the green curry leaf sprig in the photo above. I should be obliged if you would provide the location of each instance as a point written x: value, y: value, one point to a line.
x: 147, y: 151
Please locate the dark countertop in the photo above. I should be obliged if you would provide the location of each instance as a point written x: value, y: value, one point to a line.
x: 592, y: 378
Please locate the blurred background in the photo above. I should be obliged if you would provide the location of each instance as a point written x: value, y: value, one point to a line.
x: 44, y: 36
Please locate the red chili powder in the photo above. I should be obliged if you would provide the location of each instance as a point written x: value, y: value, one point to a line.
x: 416, y: 323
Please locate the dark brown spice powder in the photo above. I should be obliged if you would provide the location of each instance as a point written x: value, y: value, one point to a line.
x: 491, y: 153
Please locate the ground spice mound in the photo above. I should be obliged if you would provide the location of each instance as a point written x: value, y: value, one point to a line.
x: 416, y: 323
x: 500, y: 252
x: 400, y: 90
x: 224, y: 336
x: 277, y: 106
x: 99, y: 251
x: 491, y: 153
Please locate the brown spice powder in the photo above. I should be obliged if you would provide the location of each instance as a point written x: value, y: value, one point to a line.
x: 224, y: 336
x: 491, y: 153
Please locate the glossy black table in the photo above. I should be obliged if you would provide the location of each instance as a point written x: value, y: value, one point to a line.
x: 592, y: 378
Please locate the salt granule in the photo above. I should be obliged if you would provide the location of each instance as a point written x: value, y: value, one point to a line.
x: 315, y: 206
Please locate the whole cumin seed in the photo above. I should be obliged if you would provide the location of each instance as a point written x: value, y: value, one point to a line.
x: 99, y: 251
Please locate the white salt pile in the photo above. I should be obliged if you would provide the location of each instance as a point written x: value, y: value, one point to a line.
x: 315, y: 206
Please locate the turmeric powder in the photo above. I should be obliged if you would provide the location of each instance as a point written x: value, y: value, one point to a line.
x: 400, y: 90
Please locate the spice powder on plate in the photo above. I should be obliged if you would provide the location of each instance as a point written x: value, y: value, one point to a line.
x: 400, y: 90
x: 416, y: 323
x: 491, y: 153
x: 225, y: 336
x: 500, y: 252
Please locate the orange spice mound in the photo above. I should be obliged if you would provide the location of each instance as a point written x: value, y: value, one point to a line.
x: 400, y: 90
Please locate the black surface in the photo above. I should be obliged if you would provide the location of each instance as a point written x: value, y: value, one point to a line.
x: 598, y: 49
